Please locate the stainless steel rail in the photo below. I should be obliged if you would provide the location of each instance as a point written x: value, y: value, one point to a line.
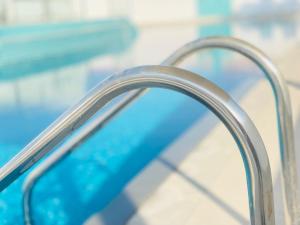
x: 61, y: 153
x: 283, y: 109
x: 251, y: 146
x: 285, y: 123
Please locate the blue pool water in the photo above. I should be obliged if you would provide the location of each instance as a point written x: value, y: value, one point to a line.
x: 32, y: 49
x: 96, y: 173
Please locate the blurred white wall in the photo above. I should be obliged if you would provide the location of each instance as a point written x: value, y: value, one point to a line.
x: 140, y: 11
x: 35, y: 11
x: 156, y: 11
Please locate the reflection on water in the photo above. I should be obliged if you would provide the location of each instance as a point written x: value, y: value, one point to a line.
x: 28, y: 50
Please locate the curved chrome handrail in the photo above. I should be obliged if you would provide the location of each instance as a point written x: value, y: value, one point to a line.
x: 283, y: 108
x: 62, y: 152
x: 259, y: 180
x: 246, y: 49
x: 285, y: 123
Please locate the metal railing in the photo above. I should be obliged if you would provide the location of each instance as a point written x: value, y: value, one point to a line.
x: 283, y: 108
x: 285, y: 123
x: 253, y: 152
x: 61, y: 153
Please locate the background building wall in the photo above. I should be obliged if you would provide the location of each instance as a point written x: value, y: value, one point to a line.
x: 143, y: 12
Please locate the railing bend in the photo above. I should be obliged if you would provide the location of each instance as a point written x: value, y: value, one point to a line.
x: 283, y: 108
x: 251, y: 147
x: 283, y: 114
x: 284, y: 118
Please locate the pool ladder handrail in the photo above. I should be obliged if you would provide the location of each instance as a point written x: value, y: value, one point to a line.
x: 283, y: 109
x: 282, y: 103
x: 67, y: 148
x: 252, y: 150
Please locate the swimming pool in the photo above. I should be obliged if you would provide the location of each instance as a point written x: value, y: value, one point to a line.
x: 112, y: 157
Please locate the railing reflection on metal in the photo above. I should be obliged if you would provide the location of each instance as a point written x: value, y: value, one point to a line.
x: 259, y: 180
x: 285, y: 124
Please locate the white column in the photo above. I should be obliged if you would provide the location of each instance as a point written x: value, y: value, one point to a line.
x: 9, y: 10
